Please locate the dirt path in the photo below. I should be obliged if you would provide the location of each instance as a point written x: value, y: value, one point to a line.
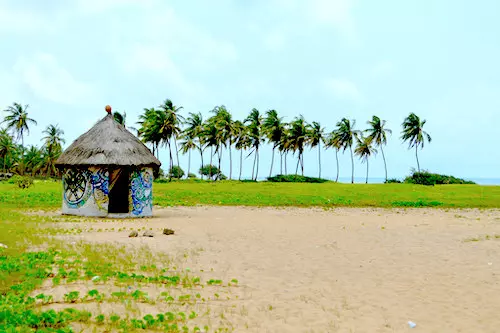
x: 347, y: 270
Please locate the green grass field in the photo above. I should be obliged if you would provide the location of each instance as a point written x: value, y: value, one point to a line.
x: 186, y: 193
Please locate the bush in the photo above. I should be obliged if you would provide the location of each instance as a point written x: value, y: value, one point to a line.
x: 176, y: 172
x: 208, y: 170
x: 23, y: 182
x: 427, y: 178
x: 192, y: 175
x: 295, y: 179
x: 392, y: 181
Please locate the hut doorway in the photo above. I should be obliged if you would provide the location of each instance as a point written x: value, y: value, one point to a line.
x: 119, y: 191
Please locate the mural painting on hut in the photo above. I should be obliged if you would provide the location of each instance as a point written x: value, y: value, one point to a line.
x: 141, y: 192
x: 86, y: 190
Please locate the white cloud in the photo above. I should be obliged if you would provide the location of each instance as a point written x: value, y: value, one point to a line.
x: 48, y: 80
x: 382, y: 69
x: 342, y: 88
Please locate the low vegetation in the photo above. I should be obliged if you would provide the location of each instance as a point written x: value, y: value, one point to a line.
x: 232, y: 193
x: 428, y: 178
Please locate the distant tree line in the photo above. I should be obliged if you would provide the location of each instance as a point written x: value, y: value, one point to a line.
x: 165, y: 126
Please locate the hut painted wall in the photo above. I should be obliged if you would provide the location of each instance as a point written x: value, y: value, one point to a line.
x: 141, y: 192
x: 85, y: 192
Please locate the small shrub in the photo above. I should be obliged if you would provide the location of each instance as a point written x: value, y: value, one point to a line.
x: 192, y: 175
x: 23, y: 182
x: 427, y: 178
x: 176, y: 172
x: 212, y: 171
x: 393, y: 181
x: 295, y: 179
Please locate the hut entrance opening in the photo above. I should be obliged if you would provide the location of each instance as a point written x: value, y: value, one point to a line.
x: 119, y: 191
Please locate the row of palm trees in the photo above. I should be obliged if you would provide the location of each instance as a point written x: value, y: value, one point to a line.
x: 15, y: 157
x: 165, y: 126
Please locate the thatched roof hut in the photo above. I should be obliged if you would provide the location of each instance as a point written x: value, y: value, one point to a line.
x: 107, y: 171
x: 107, y: 143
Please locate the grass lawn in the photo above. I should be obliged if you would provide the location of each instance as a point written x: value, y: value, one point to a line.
x: 187, y: 193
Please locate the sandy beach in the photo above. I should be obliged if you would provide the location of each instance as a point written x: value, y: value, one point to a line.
x: 343, y: 270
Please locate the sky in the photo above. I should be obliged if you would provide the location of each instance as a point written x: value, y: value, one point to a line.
x: 323, y: 59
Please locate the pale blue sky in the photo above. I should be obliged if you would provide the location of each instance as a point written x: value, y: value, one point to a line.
x: 323, y: 59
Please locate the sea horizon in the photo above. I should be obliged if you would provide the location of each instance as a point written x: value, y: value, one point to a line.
x: 380, y: 180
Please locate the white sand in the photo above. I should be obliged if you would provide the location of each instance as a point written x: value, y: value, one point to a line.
x: 347, y: 270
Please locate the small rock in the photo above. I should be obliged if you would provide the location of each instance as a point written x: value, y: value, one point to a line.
x: 134, y: 234
x: 148, y: 233
x: 3, y: 245
x: 96, y: 278
x: 168, y: 231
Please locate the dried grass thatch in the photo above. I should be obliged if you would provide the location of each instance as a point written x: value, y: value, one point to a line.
x: 107, y: 143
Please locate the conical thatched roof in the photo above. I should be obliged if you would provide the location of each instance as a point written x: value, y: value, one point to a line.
x: 107, y: 143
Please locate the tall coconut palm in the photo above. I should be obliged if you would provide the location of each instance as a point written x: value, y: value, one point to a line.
x: 333, y: 142
x: 414, y: 134
x: 33, y: 159
x: 194, y: 129
x: 316, y: 137
x: 299, y: 137
x: 187, y: 145
x: 378, y: 134
x: 211, y: 137
x: 53, y: 138
x: 7, y: 148
x: 149, y: 128
x: 345, y: 135
x: 285, y: 145
x: 17, y: 120
x: 364, y: 150
x: 242, y: 140
x: 254, y: 121
x: 175, y: 120
x: 224, y: 122
x: 273, y: 129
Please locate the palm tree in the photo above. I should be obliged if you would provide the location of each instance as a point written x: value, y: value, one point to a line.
x: 243, y: 141
x: 149, y: 131
x: 120, y: 118
x: 254, y: 121
x: 18, y: 121
x: 7, y: 148
x: 175, y: 120
x: 194, y: 130
x: 414, y: 134
x: 316, y: 136
x: 345, y: 135
x: 211, y: 137
x: 273, y: 128
x: 364, y: 150
x: 224, y: 122
x: 377, y: 133
x: 53, y: 139
x: 333, y: 142
x: 285, y: 145
x: 187, y: 145
x: 299, y: 137
x: 33, y: 159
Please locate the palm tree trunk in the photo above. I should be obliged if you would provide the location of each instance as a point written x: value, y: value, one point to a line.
x: 177, y: 153
x: 171, y: 160
x: 220, y: 159
x: 257, y: 168
x: 286, y: 154
x: 230, y: 162
x: 241, y: 163
x: 297, y: 167
x: 302, y: 162
x: 189, y: 163
x: 352, y: 166
x: 211, y: 161
x: 281, y: 162
x: 416, y: 155
x: 319, y: 159
x: 272, y: 162
x: 337, y: 158
x: 385, y: 165
x: 366, y: 171
x: 254, y: 161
